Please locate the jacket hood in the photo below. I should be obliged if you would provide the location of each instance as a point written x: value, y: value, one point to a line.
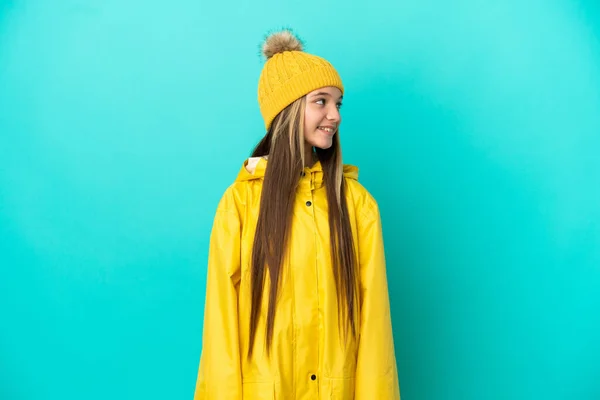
x: 255, y: 167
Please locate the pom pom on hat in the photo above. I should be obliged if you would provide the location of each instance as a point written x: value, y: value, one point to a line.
x: 281, y: 41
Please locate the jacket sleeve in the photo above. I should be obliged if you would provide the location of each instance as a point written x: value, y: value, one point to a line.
x: 376, y: 371
x: 219, y: 373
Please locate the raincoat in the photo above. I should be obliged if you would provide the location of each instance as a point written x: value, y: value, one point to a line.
x: 309, y: 361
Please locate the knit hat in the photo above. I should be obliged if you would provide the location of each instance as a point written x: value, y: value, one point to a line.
x: 289, y: 73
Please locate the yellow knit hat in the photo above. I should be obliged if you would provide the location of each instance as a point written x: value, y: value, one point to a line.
x: 289, y: 74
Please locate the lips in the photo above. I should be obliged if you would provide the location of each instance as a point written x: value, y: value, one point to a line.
x: 327, y: 129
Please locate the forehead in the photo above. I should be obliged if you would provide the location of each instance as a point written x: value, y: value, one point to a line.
x: 327, y: 90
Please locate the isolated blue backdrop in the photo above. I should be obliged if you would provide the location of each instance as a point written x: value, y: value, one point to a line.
x: 476, y: 125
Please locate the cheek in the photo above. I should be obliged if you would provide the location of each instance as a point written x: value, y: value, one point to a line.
x: 312, y: 118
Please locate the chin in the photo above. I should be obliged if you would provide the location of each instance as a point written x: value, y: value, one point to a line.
x: 323, y: 145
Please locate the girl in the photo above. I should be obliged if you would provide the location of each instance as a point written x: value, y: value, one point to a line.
x: 297, y: 300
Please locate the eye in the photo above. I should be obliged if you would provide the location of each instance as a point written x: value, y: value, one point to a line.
x: 322, y: 102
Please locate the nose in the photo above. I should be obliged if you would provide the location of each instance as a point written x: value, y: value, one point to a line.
x: 333, y: 113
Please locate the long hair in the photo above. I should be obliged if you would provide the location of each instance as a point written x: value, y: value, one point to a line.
x: 284, y: 144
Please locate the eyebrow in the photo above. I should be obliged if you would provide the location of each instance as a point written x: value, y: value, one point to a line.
x: 325, y: 94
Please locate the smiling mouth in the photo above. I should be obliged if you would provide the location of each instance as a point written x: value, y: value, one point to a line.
x: 327, y: 130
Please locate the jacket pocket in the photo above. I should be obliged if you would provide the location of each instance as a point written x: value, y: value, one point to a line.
x: 341, y: 388
x: 258, y: 391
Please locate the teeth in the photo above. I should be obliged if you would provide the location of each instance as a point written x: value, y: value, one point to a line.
x: 326, y: 129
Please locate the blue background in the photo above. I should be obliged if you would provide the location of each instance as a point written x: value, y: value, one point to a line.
x: 476, y: 125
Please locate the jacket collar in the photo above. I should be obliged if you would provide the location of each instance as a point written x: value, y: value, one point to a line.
x: 313, y: 176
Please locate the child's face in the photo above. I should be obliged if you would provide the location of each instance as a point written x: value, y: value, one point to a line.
x: 322, y: 112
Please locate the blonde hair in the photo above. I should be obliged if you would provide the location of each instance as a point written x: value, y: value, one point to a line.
x: 284, y: 144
